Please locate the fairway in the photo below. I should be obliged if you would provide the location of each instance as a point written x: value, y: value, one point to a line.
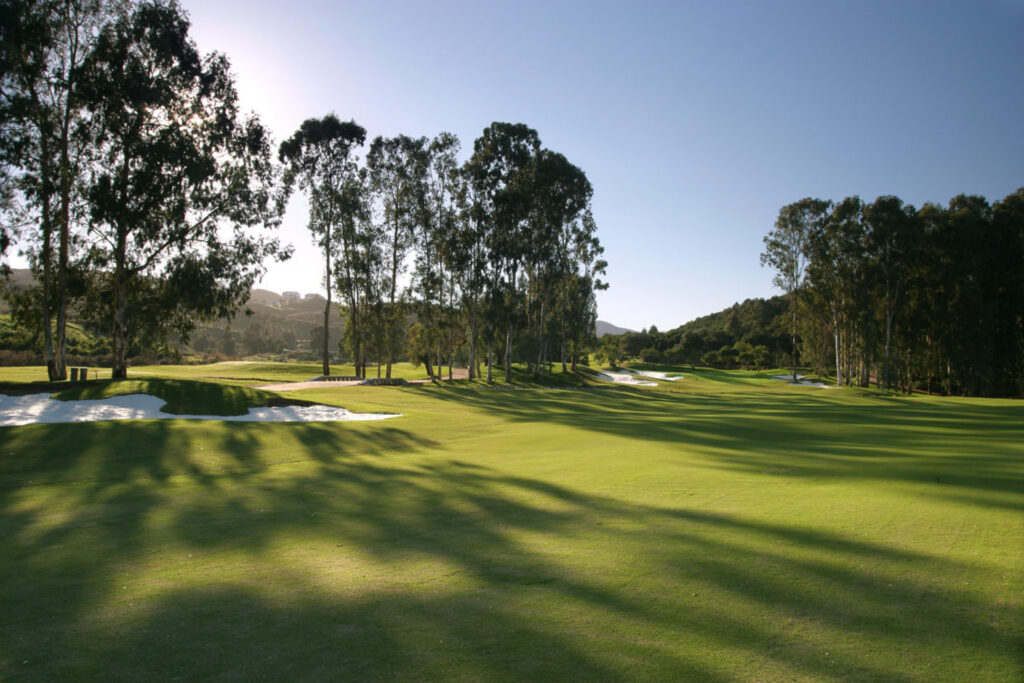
x: 724, y: 526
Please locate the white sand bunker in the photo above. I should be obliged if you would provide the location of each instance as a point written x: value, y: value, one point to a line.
x: 625, y: 378
x: 37, y: 408
x: 654, y: 374
x: 802, y: 381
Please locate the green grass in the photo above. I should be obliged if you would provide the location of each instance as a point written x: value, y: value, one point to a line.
x: 183, y: 397
x: 722, y: 527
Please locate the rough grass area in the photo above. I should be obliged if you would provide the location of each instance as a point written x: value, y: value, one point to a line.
x: 722, y: 527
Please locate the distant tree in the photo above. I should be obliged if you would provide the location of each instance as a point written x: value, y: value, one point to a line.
x: 786, y: 252
x: 610, y: 349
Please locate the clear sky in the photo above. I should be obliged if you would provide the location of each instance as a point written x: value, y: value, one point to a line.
x: 695, y: 121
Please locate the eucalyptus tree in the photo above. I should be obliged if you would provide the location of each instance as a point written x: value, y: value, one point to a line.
x: 582, y: 281
x: 181, y: 183
x: 1007, y: 280
x: 357, y: 275
x: 320, y: 159
x: 44, y: 48
x: 501, y: 169
x: 559, y: 240
x: 834, y: 251
x: 786, y: 252
x: 891, y: 228
x: 470, y: 260
x: 443, y: 191
x: 396, y: 168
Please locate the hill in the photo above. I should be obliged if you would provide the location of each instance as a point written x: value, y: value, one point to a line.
x: 603, y: 328
x: 756, y: 326
x: 269, y: 323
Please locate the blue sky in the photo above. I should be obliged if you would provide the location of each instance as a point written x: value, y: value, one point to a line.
x: 695, y: 121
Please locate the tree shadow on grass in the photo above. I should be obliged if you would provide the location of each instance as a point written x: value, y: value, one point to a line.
x: 967, y: 445
x: 326, y: 552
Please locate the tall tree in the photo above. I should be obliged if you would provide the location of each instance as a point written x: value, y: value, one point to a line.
x: 443, y: 188
x: 891, y: 230
x: 45, y: 46
x: 502, y: 169
x: 563, y: 240
x: 320, y: 158
x: 786, y: 252
x: 181, y: 184
x: 396, y: 167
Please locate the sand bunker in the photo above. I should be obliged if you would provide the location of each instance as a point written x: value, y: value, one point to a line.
x: 802, y: 381
x: 654, y: 374
x: 37, y: 408
x: 625, y: 378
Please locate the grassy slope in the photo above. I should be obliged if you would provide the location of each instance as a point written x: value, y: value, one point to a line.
x: 183, y: 397
x: 720, y: 527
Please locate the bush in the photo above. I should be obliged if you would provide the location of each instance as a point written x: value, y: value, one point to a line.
x: 652, y: 355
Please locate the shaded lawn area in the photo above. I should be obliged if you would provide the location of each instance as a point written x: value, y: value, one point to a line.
x: 704, y: 530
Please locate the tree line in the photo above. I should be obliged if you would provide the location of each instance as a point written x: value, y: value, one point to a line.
x: 498, y: 254
x: 146, y: 201
x: 928, y: 298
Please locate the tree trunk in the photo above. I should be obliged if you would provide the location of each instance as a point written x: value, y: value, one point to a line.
x: 63, y: 247
x: 540, y: 341
x: 46, y: 256
x: 490, y: 362
x: 327, y: 308
x: 792, y: 303
x: 888, y: 345
x: 472, y: 341
x: 563, y: 345
x: 119, y: 332
x: 836, y: 333
x: 508, y: 353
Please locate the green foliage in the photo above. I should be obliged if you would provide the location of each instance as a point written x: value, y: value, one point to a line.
x: 925, y: 298
x: 182, y: 185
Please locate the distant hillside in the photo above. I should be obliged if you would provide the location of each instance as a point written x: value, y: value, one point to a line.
x: 268, y: 323
x: 604, y: 328
x: 756, y: 325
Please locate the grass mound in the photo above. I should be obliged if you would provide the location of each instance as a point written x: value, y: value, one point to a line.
x: 183, y: 397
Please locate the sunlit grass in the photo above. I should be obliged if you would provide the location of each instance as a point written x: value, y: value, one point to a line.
x: 725, y: 526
